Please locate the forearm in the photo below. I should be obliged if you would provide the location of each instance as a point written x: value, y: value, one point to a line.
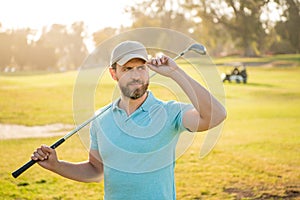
x: 208, y: 112
x: 83, y: 172
x: 209, y: 108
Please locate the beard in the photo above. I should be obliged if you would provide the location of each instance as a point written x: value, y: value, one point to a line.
x: 134, y: 93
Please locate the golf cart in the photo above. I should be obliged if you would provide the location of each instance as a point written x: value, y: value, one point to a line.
x: 238, y: 74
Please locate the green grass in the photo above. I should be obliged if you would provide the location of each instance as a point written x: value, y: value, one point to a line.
x: 283, y: 58
x: 256, y: 157
x: 36, y: 99
x: 37, y: 183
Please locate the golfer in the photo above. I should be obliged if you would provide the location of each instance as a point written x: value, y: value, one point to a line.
x: 134, y: 138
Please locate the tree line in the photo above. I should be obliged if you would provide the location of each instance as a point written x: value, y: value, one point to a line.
x: 225, y: 27
x: 243, y: 27
x: 57, y: 48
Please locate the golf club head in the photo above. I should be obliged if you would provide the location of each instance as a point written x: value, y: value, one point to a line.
x: 198, y: 48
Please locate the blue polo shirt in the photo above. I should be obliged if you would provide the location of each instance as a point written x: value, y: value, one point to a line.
x: 138, y: 151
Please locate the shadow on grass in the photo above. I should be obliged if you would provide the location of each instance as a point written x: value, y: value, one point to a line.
x: 240, y: 194
x: 261, y: 85
x: 252, y: 84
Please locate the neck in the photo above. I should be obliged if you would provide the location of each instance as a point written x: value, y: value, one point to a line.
x: 130, y: 105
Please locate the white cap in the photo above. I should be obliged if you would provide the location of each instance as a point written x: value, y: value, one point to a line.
x: 126, y: 51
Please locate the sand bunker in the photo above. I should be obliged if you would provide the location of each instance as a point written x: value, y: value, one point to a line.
x: 11, y: 131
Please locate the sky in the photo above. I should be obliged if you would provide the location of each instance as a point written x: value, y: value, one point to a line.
x: 96, y: 14
x: 35, y: 14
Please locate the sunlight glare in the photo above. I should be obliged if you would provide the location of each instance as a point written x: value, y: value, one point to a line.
x: 37, y: 14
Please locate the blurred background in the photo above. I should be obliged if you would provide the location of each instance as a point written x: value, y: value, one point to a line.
x: 44, y: 43
x: 58, y: 35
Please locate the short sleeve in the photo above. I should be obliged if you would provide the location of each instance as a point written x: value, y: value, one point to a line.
x: 184, y: 108
x: 176, y: 111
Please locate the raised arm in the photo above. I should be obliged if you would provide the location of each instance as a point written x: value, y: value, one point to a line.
x: 208, y: 112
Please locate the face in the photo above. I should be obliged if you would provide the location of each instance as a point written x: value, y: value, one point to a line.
x: 133, y: 78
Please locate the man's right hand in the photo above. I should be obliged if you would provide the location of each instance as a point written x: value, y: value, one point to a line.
x: 45, y: 157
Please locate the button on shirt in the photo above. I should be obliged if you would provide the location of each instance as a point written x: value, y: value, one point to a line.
x: 138, y: 151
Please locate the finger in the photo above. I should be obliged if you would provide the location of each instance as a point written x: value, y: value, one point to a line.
x: 36, y: 156
x: 47, y: 149
x: 159, y: 61
x: 153, y: 62
x: 41, y: 153
x: 33, y: 157
x: 165, y: 59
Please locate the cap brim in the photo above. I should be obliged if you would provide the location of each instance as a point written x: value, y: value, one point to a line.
x: 128, y: 57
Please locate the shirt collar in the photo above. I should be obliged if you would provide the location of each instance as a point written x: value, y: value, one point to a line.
x: 150, y: 101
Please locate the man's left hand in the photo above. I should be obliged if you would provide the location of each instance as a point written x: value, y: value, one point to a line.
x: 163, y: 65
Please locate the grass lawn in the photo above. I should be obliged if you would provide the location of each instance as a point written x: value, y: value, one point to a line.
x: 256, y: 157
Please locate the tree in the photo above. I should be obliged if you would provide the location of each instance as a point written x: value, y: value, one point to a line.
x: 241, y: 18
x: 214, y: 36
x: 160, y: 13
x: 42, y: 57
x: 77, y: 48
x: 288, y: 28
x: 221, y: 24
x: 103, y: 34
x: 68, y: 44
x: 5, y: 49
x: 20, y: 47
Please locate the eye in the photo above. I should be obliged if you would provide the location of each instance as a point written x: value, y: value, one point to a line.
x: 142, y: 67
x: 126, y: 69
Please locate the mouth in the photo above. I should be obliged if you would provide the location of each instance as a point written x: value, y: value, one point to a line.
x: 135, y: 84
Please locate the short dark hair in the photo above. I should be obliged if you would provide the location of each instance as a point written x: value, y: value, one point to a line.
x: 114, y: 66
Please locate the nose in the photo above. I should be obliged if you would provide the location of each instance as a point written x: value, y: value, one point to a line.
x: 135, y: 73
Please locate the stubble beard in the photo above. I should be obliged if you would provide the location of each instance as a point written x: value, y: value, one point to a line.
x: 135, y: 93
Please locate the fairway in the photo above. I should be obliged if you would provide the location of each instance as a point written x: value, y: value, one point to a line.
x: 256, y: 157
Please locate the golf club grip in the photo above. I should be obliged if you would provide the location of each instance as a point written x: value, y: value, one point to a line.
x: 19, y: 171
x: 22, y: 169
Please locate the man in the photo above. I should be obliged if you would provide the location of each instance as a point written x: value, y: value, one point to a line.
x: 133, y: 140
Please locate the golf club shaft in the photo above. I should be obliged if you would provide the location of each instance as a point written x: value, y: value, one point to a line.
x: 198, y: 48
x: 19, y: 171
x: 178, y: 56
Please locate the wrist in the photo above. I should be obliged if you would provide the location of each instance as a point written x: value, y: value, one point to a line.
x: 55, y: 166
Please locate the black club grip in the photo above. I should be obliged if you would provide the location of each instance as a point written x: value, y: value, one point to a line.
x: 22, y: 169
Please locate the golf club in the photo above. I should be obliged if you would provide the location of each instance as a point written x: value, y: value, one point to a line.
x: 19, y: 171
x: 198, y: 48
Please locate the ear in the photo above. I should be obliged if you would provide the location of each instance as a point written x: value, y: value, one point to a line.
x: 113, y: 73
